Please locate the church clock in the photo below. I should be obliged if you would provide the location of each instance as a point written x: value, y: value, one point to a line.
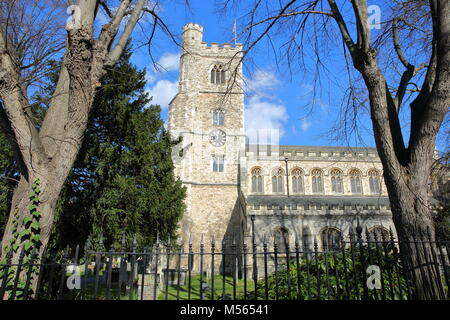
x: 217, y: 138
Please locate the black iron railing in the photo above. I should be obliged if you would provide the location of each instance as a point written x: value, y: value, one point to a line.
x: 358, y: 267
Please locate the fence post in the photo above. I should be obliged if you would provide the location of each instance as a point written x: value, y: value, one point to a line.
x: 344, y: 259
x: 297, y: 262
x: 202, y: 245
x: 266, y: 285
x: 244, y: 249
x: 155, y: 280
x: 306, y: 250
x: 213, y: 248
x: 97, y: 266
x: 234, y: 269
x: 223, y: 268
x: 288, y: 268
x: 109, y: 272
x: 316, y: 257
x: 386, y: 256
x: 369, y: 262
x: 355, y: 271
x: 166, y: 274
x: 362, y: 260
x: 255, y: 269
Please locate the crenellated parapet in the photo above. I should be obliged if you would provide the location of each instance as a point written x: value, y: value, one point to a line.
x: 193, y: 43
x: 311, y: 153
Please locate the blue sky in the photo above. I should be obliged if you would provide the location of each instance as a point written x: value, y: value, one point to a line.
x: 302, y: 109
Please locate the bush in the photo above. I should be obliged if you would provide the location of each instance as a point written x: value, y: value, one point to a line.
x: 338, y: 275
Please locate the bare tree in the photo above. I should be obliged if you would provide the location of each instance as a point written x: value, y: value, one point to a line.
x: 415, y: 30
x: 31, y: 33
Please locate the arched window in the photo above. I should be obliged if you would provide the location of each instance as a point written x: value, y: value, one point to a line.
x: 378, y: 233
x: 217, y: 74
x: 277, y: 180
x: 374, y: 181
x: 317, y: 181
x: 281, y: 239
x: 331, y: 239
x: 336, y: 181
x: 218, y: 117
x: 257, y: 180
x: 355, y: 181
x: 297, y: 180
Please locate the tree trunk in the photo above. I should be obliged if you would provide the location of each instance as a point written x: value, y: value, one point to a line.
x: 406, y: 173
x: 20, y: 209
x: 415, y: 229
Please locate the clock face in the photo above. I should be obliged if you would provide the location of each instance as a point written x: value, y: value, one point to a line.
x: 217, y: 138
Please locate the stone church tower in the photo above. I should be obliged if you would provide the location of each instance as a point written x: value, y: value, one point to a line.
x: 208, y: 113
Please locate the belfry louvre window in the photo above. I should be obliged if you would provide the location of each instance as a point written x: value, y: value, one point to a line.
x: 257, y: 180
x: 218, y: 163
x: 355, y: 181
x: 218, y: 117
x: 217, y: 74
x: 297, y: 180
x: 374, y: 181
x: 336, y: 181
x: 317, y: 181
x: 277, y: 180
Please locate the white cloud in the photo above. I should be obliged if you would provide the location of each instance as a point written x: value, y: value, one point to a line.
x: 263, y: 115
x: 261, y: 83
x: 163, y: 92
x: 150, y: 77
x: 168, y: 62
x: 305, y: 124
x: 266, y: 118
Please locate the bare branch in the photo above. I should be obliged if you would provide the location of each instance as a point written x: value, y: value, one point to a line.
x: 115, y: 53
x: 361, y: 15
x: 399, y: 51
x: 106, y: 8
x: 5, y: 125
x: 15, y: 106
x: 342, y: 26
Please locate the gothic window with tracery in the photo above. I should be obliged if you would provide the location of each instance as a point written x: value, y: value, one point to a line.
x: 257, y: 180
x: 331, y: 239
x: 218, y: 117
x: 277, y: 180
x: 217, y: 74
x: 355, y: 181
x: 317, y: 181
x: 374, y: 181
x: 336, y: 181
x: 281, y: 239
x: 379, y: 233
x: 297, y: 180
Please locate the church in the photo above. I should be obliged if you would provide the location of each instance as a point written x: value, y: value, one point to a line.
x: 240, y: 190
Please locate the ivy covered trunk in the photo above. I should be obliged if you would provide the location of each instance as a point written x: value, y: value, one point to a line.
x: 28, y: 229
x: 45, y: 152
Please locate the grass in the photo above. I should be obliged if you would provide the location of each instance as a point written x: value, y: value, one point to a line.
x: 115, y: 293
x: 207, y: 295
